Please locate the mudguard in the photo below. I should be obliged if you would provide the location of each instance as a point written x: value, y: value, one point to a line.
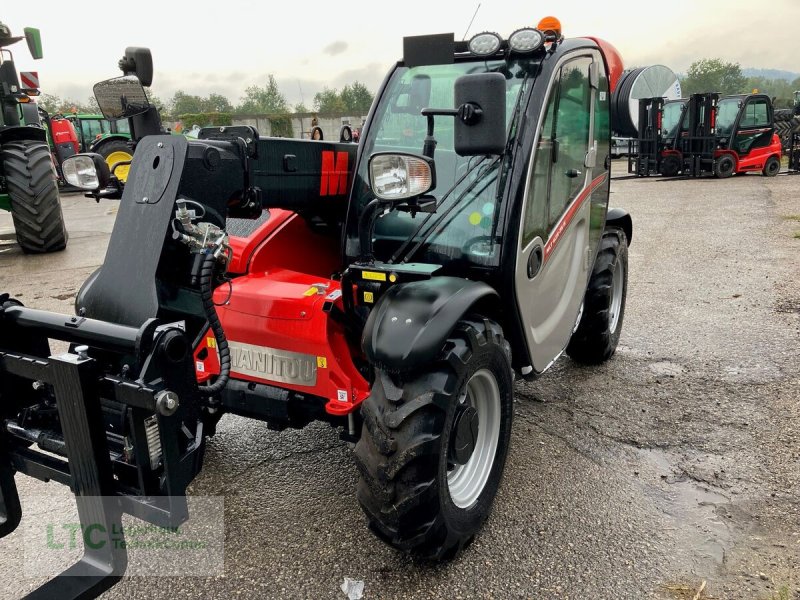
x: 411, y: 321
x: 617, y: 217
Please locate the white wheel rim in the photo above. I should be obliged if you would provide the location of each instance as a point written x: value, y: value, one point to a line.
x: 466, y: 482
x: 616, y: 298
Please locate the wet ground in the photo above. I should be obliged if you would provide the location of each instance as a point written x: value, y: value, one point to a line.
x: 676, y: 463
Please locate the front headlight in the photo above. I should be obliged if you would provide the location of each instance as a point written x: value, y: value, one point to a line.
x: 86, y: 171
x: 396, y: 176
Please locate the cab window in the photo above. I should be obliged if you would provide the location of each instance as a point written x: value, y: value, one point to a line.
x: 91, y: 129
x: 756, y: 114
x: 558, y: 169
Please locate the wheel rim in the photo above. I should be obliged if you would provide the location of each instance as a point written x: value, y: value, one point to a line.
x: 466, y: 482
x: 114, y: 158
x: 726, y: 167
x: 616, y: 298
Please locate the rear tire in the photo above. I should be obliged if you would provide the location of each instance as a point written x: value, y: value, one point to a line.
x: 772, y: 167
x: 420, y: 492
x: 724, y: 166
x: 597, y: 334
x: 33, y: 188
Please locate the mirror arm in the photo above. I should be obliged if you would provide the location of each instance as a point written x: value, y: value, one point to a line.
x: 429, y: 146
x: 366, y: 225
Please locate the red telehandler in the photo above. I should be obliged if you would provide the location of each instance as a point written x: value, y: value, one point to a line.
x: 391, y: 288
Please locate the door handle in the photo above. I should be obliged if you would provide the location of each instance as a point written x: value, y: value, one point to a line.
x: 535, y: 261
x: 572, y: 173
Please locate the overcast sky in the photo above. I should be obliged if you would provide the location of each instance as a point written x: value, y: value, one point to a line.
x: 308, y: 45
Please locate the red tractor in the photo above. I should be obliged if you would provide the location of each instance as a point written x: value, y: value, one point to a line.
x: 391, y: 288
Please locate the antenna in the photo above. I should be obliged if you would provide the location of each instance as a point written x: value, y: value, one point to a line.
x: 302, y: 100
x: 471, y: 21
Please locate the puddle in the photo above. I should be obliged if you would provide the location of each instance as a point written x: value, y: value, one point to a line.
x: 697, y: 511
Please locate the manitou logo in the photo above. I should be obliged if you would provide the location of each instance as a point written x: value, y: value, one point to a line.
x: 276, y: 365
x: 334, y: 174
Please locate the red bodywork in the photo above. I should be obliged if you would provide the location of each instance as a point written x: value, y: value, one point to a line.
x: 756, y: 158
x: 276, y: 304
x: 63, y: 132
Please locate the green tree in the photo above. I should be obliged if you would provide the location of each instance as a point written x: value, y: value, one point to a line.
x: 300, y: 108
x: 329, y: 101
x: 49, y: 102
x: 264, y: 100
x: 183, y: 103
x: 357, y: 98
x: 714, y: 75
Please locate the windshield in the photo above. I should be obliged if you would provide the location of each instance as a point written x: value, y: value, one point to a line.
x: 672, y: 118
x: 466, y: 187
x: 726, y: 115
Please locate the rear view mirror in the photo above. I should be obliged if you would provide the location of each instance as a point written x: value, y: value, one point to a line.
x: 121, y: 97
x: 481, y: 120
x: 34, y: 39
x: 138, y: 61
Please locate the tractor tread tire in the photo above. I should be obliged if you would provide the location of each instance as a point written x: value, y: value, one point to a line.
x: 593, y: 342
x: 401, y: 455
x: 33, y: 188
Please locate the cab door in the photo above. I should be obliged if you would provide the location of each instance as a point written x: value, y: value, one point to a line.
x: 755, y: 127
x: 553, y: 255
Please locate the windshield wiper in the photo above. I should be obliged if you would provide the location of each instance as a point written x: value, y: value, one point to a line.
x: 401, y: 254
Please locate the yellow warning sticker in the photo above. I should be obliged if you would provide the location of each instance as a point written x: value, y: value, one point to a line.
x: 369, y: 298
x: 322, y: 362
x: 211, y: 342
x: 373, y: 276
x: 310, y: 291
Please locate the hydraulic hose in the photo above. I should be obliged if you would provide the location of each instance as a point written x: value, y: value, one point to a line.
x: 207, y: 296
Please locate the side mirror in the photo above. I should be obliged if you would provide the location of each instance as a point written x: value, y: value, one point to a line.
x: 346, y: 134
x: 121, y: 97
x: 481, y: 120
x: 138, y: 61
x: 86, y: 171
x: 34, y: 39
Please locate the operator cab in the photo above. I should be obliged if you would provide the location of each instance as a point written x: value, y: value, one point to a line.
x: 745, y: 122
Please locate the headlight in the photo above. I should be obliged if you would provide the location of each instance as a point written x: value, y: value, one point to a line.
x: 86, y: 171
x: 394, y: 176
x: 526, y: 40
x: 485, y: 44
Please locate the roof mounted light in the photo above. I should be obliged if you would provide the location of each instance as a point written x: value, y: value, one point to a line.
x: 525, y: 40
x: 485, y: 44
x: 551, y: 27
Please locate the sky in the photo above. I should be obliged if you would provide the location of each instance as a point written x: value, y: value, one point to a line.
x: 224, y: 47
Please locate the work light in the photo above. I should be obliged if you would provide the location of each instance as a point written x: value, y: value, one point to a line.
x: 485, y: 44
x: 397, y: 176
x: 525, y: 40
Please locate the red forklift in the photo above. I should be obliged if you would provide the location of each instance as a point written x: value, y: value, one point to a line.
x: 730, y: 135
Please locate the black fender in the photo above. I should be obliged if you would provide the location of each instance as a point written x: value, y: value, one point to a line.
x: 617, y: 217
x: 411, y: 322
x: 21, y: 133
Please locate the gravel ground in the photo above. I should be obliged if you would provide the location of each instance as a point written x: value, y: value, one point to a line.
x: 673, y: 464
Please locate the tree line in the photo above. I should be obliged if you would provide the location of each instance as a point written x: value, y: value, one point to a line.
x: 716, y: 75
x: 354, y: 98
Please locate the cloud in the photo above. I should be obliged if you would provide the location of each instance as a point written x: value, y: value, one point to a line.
x: 335, y: 48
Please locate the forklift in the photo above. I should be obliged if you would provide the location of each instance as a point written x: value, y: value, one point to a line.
x: 661, y: 123
x: 730, y: 135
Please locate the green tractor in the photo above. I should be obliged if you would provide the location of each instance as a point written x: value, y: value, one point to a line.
x: 28, y: 180
x: 107, y: 137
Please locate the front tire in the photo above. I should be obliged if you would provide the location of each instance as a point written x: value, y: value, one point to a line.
x: 116, y: 151
x: 434, y: 444
x: 597, y: 334
x: 670, y: 165
x: 724, y: 166
x: 33, y: 188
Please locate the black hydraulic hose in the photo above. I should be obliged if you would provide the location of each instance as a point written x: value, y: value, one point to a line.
x: 207, y: 296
